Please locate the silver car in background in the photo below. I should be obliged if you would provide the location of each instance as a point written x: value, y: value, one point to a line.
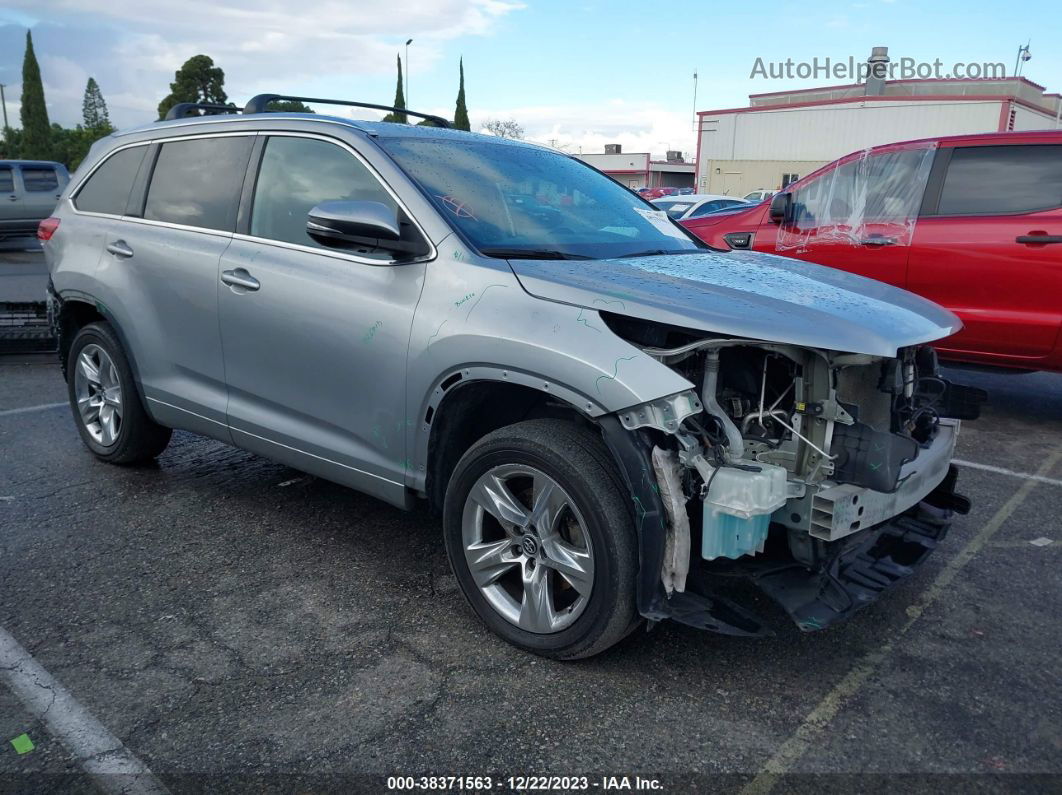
x: 29, y: 190
x: 607, y: 415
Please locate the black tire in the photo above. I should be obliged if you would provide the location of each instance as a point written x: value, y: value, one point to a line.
x: 578, y: 461
x: 139, y: 438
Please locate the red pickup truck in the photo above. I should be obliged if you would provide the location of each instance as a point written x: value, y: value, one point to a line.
x: 973, y: 222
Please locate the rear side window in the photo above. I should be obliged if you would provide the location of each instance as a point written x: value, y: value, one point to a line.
x: 197, y: 182
x: 107, y: 190
x: 7, y: 180
x: 40, y: 179
x: 299, y: 173
x: 997, y: 180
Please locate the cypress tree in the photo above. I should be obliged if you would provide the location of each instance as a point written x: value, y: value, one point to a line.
x: 400, y: 99
x: 36, y: 130
x: 461, y: 112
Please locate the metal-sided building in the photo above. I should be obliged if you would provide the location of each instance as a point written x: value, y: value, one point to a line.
x: 785, y: 135
x: 639, y: 170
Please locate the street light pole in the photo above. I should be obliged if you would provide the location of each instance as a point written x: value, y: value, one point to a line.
x: 406, y: 92
x: 3, y: 101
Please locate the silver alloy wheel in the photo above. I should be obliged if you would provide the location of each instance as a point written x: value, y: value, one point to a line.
x: 527, y: 548
x: 99, y: 394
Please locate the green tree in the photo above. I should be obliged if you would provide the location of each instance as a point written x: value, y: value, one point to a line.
x: 94, y: 110
x: 461, y: 112
x: 11, y: 144
x: 289, y: 106
x: 36, y: 131
x: 198, y: 80
x: 400, y: 99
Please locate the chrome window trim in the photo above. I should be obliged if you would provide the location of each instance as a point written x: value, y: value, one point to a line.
x: 164, y: 140
x: 432, y: 252
x: 170, y: 225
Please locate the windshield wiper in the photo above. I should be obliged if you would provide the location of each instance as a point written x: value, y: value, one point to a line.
x: 656, y: 252
x: 530, y: 253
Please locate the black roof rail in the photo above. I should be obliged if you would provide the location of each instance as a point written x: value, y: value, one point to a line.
x: 260, y: 103
x: 180, y: 110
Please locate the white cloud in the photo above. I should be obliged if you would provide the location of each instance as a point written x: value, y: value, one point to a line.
x: 133, y: 47
x: 587, y: 127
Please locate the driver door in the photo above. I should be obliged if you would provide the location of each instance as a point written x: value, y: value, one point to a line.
x: 315, y: 339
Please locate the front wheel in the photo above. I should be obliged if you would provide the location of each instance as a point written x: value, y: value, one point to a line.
x: 541, y: 539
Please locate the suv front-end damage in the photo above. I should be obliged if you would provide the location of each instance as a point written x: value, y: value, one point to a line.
x: 823, y: 477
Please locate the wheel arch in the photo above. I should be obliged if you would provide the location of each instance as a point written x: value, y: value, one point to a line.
x: 467, y: 403
x: 72, y: 313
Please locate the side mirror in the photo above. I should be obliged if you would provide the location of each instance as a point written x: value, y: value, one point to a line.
x: 354, y: 224
x: 781, y: 208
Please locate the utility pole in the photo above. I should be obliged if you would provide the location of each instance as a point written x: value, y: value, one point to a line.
x: 694, y: 100
x: 3, y: 101
x: 408, y: 42
x: 1023, y: 56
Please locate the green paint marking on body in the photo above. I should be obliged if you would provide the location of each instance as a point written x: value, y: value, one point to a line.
x: 372, y: 331
x: 436, y: 334
x: 483, y: 293
x: 581, y: 319
x: 615, y: 372
x: 463, y: 300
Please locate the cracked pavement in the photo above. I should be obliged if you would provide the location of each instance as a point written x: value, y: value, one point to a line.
x: 235, y: 622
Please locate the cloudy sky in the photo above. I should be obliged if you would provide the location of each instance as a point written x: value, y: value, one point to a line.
x: 577, y: 73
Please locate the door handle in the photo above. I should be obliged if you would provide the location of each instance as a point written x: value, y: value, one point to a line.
x: 240, y: 278
x: 12, y: 198
x: 875, y: 240
x: 120, y: 249
x: 1033, y: 240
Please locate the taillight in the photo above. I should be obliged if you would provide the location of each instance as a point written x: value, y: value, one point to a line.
x: 46, y: 228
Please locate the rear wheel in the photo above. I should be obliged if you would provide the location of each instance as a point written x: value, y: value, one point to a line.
x: 541, y: 539
x: 103, y: 396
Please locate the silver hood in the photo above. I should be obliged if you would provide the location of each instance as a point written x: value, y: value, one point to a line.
x: 746, y: 294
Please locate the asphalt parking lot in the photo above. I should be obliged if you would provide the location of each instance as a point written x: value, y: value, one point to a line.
x: 237, y: 624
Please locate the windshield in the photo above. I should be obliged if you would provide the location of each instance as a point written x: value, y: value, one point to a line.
x: 675, y: 208
x: 521, y: 201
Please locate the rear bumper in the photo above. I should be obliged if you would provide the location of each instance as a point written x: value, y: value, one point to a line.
x: 19, y: 227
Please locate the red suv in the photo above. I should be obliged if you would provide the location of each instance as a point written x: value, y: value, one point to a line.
x: 973, y: 222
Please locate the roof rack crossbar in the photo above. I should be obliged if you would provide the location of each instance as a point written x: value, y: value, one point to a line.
x: 260, y: 103
x: 181, y: 109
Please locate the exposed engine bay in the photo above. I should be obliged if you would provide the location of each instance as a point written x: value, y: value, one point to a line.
x: 789, y: 463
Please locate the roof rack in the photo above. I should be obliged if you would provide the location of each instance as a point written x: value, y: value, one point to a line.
x: 260, y: 103
x: 181, y: 109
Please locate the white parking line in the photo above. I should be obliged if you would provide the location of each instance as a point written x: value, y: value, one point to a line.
x: 818, y: 720
x: 1008, y: 472
x: 99, y: 753
x: 28, y: 409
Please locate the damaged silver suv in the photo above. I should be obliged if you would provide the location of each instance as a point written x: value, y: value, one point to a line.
x: 611, y: 418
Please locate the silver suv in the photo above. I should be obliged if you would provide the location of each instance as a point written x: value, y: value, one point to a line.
x: 611, y: 418
x: 28, y: 192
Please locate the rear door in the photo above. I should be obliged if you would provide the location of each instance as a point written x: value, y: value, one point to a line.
x: 988, y: 246
x: 165, y: 253
x: 315, y: 348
